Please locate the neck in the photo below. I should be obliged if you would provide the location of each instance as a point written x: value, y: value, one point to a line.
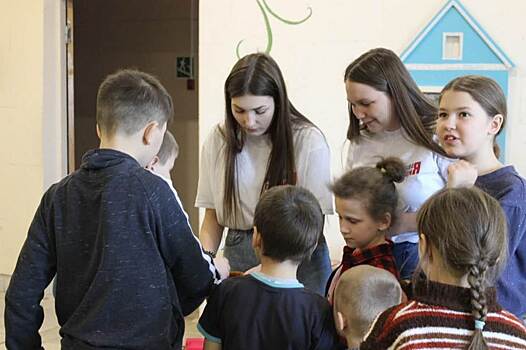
x: 485, y: 161
x: 284, y: 270
x: 121, y: 144
x: 440, y: 274
x: 376, y: 241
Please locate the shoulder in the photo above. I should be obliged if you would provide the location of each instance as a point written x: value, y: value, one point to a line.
x: 309, y: 138
x: 506, y: 185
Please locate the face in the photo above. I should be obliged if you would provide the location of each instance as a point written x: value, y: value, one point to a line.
x: 358, y: 228
x: 464, y: 128
x: 371, y: 107
x: 253, y: 113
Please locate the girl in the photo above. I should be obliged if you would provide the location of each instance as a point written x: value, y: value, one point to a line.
x: 472, y: 113
x: 390, y: 117
x: 263, y: 142
x: 462, y: 244
x: 366, y: 203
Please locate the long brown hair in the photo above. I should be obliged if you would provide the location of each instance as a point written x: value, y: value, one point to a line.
x: 468, y: 229
x: 382, y: 70
x: 258, y: 74
x: 487, y: 92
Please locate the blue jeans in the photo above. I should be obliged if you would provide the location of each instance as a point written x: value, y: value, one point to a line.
x: 313, y: 273
x: 406, y: 258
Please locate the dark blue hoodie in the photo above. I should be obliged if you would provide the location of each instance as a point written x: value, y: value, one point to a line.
x: 127, y: 263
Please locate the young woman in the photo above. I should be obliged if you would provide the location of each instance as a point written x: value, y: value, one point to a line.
x: 390, y: 117
x: 472, y: 113
x: 263, y: 142
x: 462, y: 245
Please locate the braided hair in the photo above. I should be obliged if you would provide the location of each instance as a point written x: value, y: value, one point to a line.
x: 467, y: 227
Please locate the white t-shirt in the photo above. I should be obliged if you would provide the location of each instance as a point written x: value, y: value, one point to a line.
x: 312, y: 167
x: 426, y: 171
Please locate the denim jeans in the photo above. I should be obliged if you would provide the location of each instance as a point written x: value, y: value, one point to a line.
x: 406, y: 258
x: 313, y: 273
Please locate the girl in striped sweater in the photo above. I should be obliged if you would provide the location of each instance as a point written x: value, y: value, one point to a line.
x: 462, y: 245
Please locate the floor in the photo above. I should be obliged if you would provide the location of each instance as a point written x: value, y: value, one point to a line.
x: 49, y: 330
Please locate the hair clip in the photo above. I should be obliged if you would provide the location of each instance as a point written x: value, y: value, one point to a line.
x: 479, y: 324
x: 382, y: 170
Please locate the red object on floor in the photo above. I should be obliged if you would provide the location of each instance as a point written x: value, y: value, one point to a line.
x: 194, y: 344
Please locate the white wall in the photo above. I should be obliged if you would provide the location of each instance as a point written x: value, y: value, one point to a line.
x: 314, y: 55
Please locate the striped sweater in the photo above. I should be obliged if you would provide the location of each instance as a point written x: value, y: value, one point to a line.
x: 439, y: 317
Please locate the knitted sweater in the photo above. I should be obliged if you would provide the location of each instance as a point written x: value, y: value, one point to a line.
x: 439, y: 317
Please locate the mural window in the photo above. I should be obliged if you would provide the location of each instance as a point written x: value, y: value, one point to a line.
x: 452, y: 46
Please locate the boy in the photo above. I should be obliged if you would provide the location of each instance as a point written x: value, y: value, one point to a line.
x: 163, y: 163
x: 270, y: 309
x: 128, y: 266
x: 362, y: 293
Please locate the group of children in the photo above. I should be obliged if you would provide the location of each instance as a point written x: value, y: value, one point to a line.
x: 432, y: 222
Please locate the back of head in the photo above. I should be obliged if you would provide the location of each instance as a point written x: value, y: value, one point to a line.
x: 290, y: 222
x: 488, y: 94
x: 128, y: 100
x: 383, y: 70
x: 362, y: 293
x: 468, y: 229
x: 374, y: 186
x: 169, y: 148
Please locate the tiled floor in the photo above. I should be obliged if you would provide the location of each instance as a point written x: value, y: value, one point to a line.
x: 49, y: 330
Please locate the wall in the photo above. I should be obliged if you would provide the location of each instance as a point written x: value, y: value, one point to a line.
x: 314, y: 55
x: 31, y: 96
x: 110, y: 35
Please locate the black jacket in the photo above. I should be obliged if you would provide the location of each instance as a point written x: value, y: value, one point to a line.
x: 127, y: 263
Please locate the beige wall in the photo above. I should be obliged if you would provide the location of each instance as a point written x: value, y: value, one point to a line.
x: 314, y: 55
x: 29, y: 86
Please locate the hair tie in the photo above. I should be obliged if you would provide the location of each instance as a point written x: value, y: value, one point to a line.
x: 382, y: 170
x: 479, y: 324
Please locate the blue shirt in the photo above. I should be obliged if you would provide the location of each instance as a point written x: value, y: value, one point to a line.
x: 255, y: 312
x: 509, y: 188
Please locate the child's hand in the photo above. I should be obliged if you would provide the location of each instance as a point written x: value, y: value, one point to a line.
x: 461, y: 174
x: 222, y: 266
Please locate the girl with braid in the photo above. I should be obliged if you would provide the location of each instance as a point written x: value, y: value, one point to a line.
x: 472, y: 113
x: 463, y: 244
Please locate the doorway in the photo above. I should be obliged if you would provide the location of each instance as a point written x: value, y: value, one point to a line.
x: 149, y: 36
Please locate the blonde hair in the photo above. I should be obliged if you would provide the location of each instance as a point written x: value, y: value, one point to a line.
x: 362, y: 293
x: 168, y: 147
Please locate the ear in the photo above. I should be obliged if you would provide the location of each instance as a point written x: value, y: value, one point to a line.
x: 256, y: 239
x: 495, y: 124
x: 98, y: 131
x: 153, y: 162
x: 341, y: 322
x: 149, y: 131
x: 385, y: 222
x: 423, y: 248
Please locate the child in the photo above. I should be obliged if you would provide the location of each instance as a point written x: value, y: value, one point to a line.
x: 363, y: 292
x: 366, y: 203
x: 472, y: 113
x: 163, y: 163
x: 462, y: 245
x: 390, y: 117
x: 127, y: 263
x: 270, y: 309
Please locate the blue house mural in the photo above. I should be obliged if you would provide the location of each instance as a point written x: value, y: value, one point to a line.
x: 451, y: 45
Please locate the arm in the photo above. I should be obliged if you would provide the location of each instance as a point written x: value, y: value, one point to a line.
x: 35, y: 268
x: 406, y: 223
x: 211, y: 232
x: 210, y: 345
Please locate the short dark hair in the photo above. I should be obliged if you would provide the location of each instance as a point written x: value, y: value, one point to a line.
x: 129, y: 99
x: 290, y: 222
x: 168, y: 147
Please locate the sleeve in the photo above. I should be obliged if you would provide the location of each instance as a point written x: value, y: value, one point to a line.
x: 351, y: 150
x: 516, y: 218
x: 316, y: 173
x: 192, y: 270
x: 210, y: 320
x: 205, y: 197
x: 443, y: 163
x: 328, y: 337
x: 34, y: 270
